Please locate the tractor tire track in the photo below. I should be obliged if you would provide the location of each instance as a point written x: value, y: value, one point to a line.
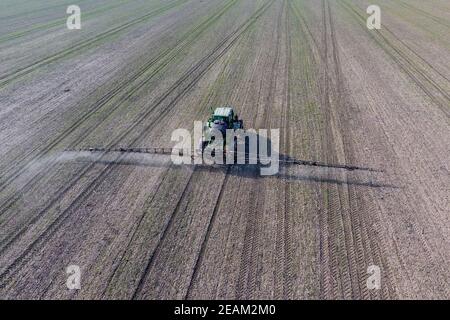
x: 317, y: 51
x: 338, y: 248
x: 328, y: 281
x: 351, y: 230
x: 249, y: 275
x: 377, y: 251
x: 156, y: 251
x: 341, y: 249
x: 204, y: 245
x: 131, y: 236
x: 248, y: 270
x: 288, y: 290
x: 285, y: 257
x: 347, y: 229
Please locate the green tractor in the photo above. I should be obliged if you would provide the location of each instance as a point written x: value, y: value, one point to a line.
x: 222, y: 118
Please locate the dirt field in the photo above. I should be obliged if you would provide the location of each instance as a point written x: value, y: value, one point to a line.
x: 147, y: 229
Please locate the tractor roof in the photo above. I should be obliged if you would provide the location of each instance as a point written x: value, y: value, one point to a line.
x: 223, y: 111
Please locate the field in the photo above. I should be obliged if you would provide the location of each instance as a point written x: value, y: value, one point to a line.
x: 143, y: 228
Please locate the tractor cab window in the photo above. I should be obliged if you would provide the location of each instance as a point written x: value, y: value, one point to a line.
x: 220, y: 118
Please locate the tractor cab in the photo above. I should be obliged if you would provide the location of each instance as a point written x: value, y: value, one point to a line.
x: 222, y: 118
x: 223, y: 115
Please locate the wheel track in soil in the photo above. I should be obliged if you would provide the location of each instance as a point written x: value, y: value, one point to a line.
x: 250, y: 258
x: 306, y: 30
x: 417, y: 74
x: 280, y: 245
x: 99, y: 179
x: 340, y: 278
x: 288, y: 291
x: 252, y: 75
x: 204, y: 243
x: 270, y: 101
x: 339, y: 248
x: 358, y: 255
x: 323, y: 234
x: 247, y: 280
x: 284, y: 286
x: 388, y: 290
x: 203, y: 247
x: 316, y: 56
x: 347, y: 197
x: 362, y: 20
x: 346, y: 228
x: 8, y: 78
x: 329, y: 283
x: 184, y: 194
x: 127, y: 89
x: 349, y: 229
x: 132, y: 234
